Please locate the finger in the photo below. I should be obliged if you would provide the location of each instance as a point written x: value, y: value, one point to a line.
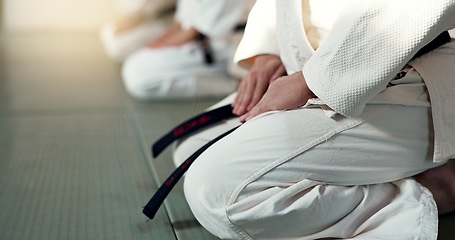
x: 261, y: 88
x: 243, y: 117
x: 239, y: 93
x: 280, y: 71
x: 263, y: 84
x: 238, y: 98
x: 253, y: 113
x: 247, y: 95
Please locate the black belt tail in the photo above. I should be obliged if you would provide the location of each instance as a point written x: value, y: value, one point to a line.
x: 158, y: 198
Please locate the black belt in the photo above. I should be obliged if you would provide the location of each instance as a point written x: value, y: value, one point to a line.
x: 203, y: 120
x: 210, y: 117
x: 206, y: 49
x: 205, y: 44
x: 440, y: 40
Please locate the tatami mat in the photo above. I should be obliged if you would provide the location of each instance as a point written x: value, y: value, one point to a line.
x: 73, y: 161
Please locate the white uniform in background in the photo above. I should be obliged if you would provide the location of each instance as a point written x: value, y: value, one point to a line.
x: 181, y: 72
x: 147, y: 19
x: 342, y: 165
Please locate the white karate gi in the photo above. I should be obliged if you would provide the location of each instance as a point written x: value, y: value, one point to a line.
x: 312, y: 172
x: 180, y: 72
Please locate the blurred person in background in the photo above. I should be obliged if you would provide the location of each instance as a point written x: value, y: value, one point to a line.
x: 192, y: 58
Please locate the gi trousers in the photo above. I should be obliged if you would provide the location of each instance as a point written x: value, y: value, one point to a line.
x: 310, y: 173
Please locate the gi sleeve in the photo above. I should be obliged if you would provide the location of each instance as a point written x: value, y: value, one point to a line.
x: 260, y: 34
x: 215, y: 19
x: 369, y: 43
x: 219, y: 17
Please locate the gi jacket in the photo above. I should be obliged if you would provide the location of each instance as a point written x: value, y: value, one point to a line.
x: 367, y: 44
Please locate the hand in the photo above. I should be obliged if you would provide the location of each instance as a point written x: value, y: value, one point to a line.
x: 284, y: 93
x: 175, y: 36
x: 265, y: 69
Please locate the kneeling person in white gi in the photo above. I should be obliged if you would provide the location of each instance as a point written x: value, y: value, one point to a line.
x: 348, y: 144
x: 190, y: 60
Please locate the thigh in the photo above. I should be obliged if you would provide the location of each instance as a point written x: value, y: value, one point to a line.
x: 386, y: 143
x: 395, y: 142
x: 288, y: 165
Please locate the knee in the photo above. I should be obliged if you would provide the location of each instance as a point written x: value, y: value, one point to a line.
x: 147, y: 76
x: 139, y: 75
x: 207, y: 191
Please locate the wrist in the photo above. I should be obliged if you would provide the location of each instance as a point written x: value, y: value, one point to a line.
x: 306, y: 89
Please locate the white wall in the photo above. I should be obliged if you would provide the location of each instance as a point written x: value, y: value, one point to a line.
x: 62, y: 15
x: 59, y: 15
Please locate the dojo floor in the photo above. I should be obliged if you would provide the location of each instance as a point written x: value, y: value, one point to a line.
x: 74, y: 147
